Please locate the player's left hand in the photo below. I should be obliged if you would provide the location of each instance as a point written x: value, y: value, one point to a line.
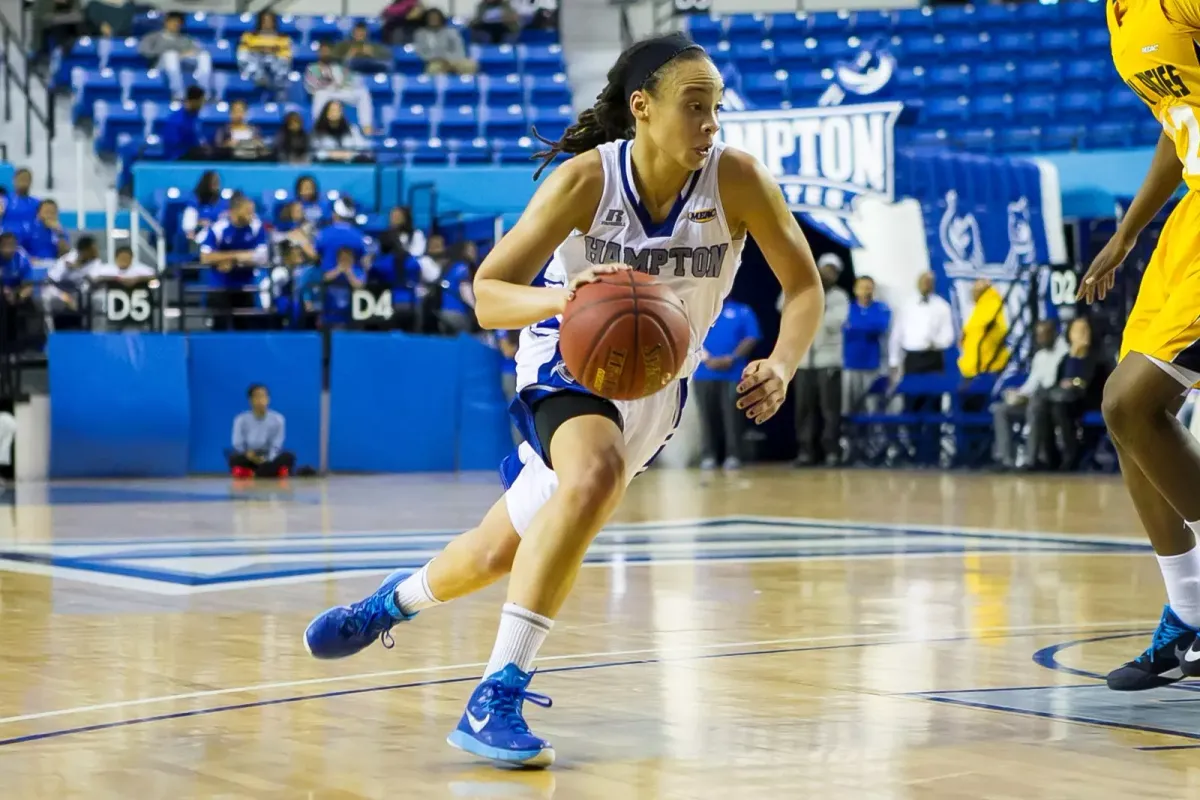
x: 763, y: 388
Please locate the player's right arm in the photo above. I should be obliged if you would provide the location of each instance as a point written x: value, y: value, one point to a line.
x: 566, y: 202
x: 1164, y: 177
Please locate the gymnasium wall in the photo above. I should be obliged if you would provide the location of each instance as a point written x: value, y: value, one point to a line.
x: 129, y: 405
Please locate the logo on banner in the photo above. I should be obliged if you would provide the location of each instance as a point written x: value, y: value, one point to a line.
x: 827, y: 157
x: 962, y: 243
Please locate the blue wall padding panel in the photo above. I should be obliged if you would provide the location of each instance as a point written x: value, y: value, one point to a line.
x: 221, y: 367
x: 393, y: 402
x: 118, y: 405
x: 483, y: 431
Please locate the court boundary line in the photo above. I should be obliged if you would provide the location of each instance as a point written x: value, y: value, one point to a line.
x: 57, y: 733
x: 959, y: 634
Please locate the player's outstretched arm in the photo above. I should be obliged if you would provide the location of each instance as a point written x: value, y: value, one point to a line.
x: 565, y: 202
x: 756, y: 205
x: 1161, y: 181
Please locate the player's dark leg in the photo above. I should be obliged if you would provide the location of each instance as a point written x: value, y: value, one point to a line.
x: 1155, y: 451
x: 471, y: 561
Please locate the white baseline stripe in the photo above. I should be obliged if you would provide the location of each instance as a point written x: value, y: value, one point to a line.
x: 888, y: 639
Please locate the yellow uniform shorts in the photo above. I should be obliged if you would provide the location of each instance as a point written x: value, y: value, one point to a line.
x: 1165, y: 321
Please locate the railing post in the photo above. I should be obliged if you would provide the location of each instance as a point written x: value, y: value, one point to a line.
x: 135, y: 230
x: 110, y: 223
x: 7, y: 76
x: 80, y: 219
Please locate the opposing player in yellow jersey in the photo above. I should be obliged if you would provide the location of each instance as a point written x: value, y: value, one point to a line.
x: 1155, y: 50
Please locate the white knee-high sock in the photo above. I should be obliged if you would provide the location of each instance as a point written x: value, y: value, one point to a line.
x: 413, y: 595
x: 1181, y: 574
x: 520, y: 637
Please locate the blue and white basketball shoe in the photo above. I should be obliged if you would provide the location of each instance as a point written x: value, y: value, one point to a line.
x: 344, y: 630
x: 493, y: 726
x: 1160, y: 664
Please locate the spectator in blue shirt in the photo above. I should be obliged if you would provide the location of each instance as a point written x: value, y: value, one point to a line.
x: 44, y: 239
x: 727, y: 349
x: 340, y: 281
x: 864, y: 336
x: 258, y: 436
x: 16, y: 278
x: 19, y: 209
x: 180, y: 131
x: 235, y: 247
x: 457, y: 314
x: 343, y: 232
x: 205, y: 207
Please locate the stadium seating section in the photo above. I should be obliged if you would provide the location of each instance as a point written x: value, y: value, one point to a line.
x: 988, y: 78
x: 484, y: 118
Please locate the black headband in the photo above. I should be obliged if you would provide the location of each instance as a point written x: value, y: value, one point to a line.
x: 651, y: 58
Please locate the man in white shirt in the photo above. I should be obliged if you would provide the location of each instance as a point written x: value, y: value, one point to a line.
x: 922, y: 333
x: 67, y: 284
x: 1028, y: 402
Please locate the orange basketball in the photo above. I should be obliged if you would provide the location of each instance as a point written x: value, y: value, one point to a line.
x: 625, y: 336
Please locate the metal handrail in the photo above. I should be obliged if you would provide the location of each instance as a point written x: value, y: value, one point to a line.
x: 12, y: 43
x: 138, y: 215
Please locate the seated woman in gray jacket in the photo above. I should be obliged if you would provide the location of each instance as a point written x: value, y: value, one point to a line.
x: 441, y: 47
x: 336, y: 138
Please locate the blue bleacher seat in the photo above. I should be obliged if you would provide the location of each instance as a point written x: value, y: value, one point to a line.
x: 212, y: 117
x: 408, y: 122
x: 505, y: 123
x: 753, y: 55
x: 200, y: 26
x: 1082, y: 15
x: 504, y: 90
x: 1034, y: 107
x: 967, y: 45
x: 84, y: 55
x: 547, y: 90
x: 871, y: 23
x: 1110, y: 134
x: 743, y: 28
x: 1095, y: 42
x: 1014, y: 43
x: 493, y: 59
x: 540, y: 59
x: 995, y: 16
x: 1062, y: 137
x: 1147, y: 132
x: 1085, y: 70
x: 919, y: 47
x: 269, y: 116
x: 476, y: 151
x: 950, y: 17
x: 384, y: 89
x: 515, y: 151
x: 303, y: 56
x: 977, y: 140
x: 912, y: 19
x: 1080, y: 106
x: 994, y: 73
x: 1122, y: 101
x: 787, y: 26
x: 458, y: 122
x: 832, y: 49
x: 929, y: 138
x: 146, y: 85
x: 805, y: 87
x: 1034, y: 16
x: 406, y: 61
x: 322, y: 29
x: 1033, y: 74
x: 90, y: 86
x: 430, y: 152
x: 951, y: 78
x: 829, y: 23
x: 118, y: 54
x: 551, y: 122
x: 418, y: 90
x: 113, y: 119
x: 1059, y: 42
x: 992, y: 108
x: 766, y: 88
x: 1019, y: 139
x: 224, y: 57
x: 795, y: 55
x: 460, y: 90
x: 941, y: 110
x: 705, y: 31
x: 146, y: 22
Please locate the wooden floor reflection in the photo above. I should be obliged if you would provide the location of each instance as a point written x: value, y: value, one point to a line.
x: 766, y: 634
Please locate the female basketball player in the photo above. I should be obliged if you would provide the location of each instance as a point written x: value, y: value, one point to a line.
x: 1160, y: 347
x: 648, y: 176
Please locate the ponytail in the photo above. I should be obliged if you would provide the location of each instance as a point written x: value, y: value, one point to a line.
x: 638, y: 68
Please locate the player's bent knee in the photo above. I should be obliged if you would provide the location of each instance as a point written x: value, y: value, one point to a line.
x: 597, y: 483
x: 497, y: 558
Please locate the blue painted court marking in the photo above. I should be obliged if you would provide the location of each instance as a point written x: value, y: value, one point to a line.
x: 180, y: 566
x: 69, y: 495
x: 61, y: 732
x: 1158, y: 711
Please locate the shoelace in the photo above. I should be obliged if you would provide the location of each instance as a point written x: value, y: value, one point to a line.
x: 506, y: 705
x: 368, y: 617
x: 1166, y: 632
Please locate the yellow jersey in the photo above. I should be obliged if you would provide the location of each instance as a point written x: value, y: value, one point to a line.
x: 1155, y: 51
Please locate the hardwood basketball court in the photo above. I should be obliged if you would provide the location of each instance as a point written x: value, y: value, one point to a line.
x: 767, y: 634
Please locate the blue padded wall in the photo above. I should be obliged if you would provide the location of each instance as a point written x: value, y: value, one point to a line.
x: 484, y: 436
x: 221, y: 366
x: 393, y: 402
x: 118, y: 405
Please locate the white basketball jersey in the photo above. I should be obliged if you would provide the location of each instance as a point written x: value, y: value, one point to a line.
x: 692, y: 251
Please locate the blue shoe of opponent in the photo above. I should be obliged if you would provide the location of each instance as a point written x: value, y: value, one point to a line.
x: 1160, y: 664
x: 344, y: 630
x: 493, y: 726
